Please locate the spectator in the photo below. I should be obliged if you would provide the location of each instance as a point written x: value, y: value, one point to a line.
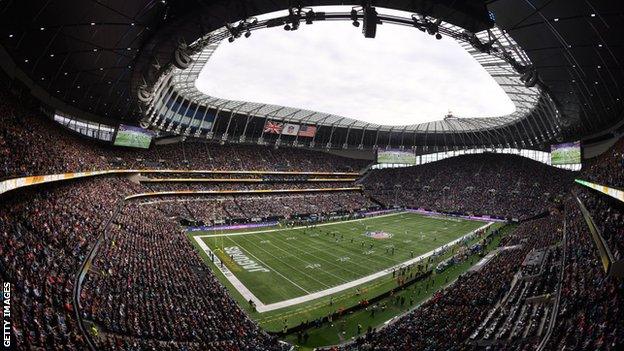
x: 487, y: 184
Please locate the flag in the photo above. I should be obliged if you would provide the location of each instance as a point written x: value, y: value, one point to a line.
x: 290, y: 129
x: 307, y: 131
x: 273, y: 127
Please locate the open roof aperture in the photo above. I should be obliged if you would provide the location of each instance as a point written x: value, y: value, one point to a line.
x: 402, y: 77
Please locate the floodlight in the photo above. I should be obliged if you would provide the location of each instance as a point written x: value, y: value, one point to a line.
x: 354, y: 17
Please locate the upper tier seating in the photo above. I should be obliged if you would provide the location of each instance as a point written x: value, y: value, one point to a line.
x: 608, y: 168
x: 31, y: 144
x: 491, y: 184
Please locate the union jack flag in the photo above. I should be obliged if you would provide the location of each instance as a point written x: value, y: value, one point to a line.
x: 273, y: 127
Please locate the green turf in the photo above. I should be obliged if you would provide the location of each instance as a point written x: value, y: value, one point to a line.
x: 565, y: 156
x: 404, y: 157
x: 132, y: 139
x: 303, y: 261
x: 345, y: 328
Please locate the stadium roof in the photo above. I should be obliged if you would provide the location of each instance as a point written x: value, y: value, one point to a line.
x: 401, y: 77
x: 90, y: 58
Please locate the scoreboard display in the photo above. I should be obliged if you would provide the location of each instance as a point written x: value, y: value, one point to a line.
x: 133, y: 137
x: 396, y: 156
x: 565, y: 154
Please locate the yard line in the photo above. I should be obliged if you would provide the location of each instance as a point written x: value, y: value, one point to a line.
x: 236, y: 283
x: 324, y: 252
x: 349, y: 251
x: 286, y: 264
x: 371, y: 258
x: 309, y: 253
x: 354, y: 283
x: 378, y: 259
x: 323, y: 246
x: 274, y: 270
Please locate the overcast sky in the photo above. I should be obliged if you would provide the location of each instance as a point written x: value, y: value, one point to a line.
x: 403, y: 76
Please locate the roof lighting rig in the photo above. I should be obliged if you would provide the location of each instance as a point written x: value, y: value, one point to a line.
x: 529, y: 75
x: 370, y: 18
x: 293, y: 19
x: 485, y: 48
x: 366, y: 13
x: 296, y: 15
x: 241, y: 28
x: 425, y: 25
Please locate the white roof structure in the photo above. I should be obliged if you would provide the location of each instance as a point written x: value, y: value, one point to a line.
x: 179, y: 107
x: 525, y: 99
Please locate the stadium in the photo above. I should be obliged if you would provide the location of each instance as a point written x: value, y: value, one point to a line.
x: 277, y: 175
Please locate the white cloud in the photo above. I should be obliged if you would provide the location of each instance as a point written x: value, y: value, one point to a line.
x: 403, y: 76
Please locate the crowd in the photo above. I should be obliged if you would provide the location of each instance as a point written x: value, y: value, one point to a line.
x: 205, y: 156
x: 591, y: 310
x: 608, y: 168
x: 446, y: 321
x: 150, y: 289
x: 44, y: 237
x: 311, y: 204
x: 242, y: 186
x: 491, y: 184
x: 32, y: 144
x: 254, y: 207
x: 608, y: 215
x: 247, y: 176
x: 520, y: 320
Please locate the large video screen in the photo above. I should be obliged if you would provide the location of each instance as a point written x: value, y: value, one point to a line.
x: 396, y: 156
x: 133, y: 137
x: 565, y: 154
